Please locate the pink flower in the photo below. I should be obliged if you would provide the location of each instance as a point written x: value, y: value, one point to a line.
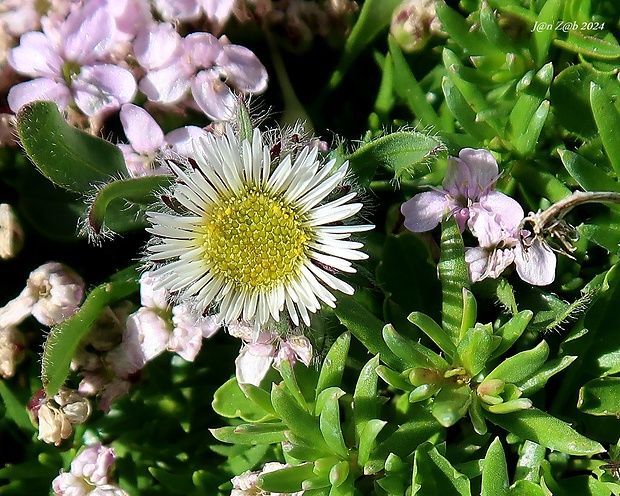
x: 216, y: 11
x: 147, y: 142
x: 260, y: 351
x: 468, y: 179
x: 208, y: 68
x: 89, y: 474
x: 68, y: 63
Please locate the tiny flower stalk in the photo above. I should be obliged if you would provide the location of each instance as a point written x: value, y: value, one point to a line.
x: 471, y: 377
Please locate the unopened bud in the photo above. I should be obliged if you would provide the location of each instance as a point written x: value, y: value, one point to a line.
x: 11, y: 233
x: 11, y: 350
x: 413, y: 23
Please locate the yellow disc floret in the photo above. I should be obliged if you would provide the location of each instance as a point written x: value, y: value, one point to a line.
x: 255, y: 240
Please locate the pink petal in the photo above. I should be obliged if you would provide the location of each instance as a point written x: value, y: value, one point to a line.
x: 38, y: 90
x: 471, y: 175
x: 141, y: 129
x: 218, y: 11
x: 486, y: 227
x: 186, y: 342
x: 151, y: 331
x: 202, y: 49
x: 137, y: 165
x: 536, y: 264
x: 151, y: 295
x: 181, y: 139
x: 131, y: 16
x: 168, y: 84
x: 178, y: 9
x: 477, y: 260
x: 424, y: 211
x: 156, y: 44
x: 244, y: 70
x: 508, y: 210
x: 87, y: 34
x: 103, y: 88
x: 252, y: 366
x: 36, y: 56
x: 213, y: 96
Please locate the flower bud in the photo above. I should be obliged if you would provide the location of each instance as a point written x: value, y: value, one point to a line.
x: 11, y: 233
x: 413, y: 23
x: 11, y: 350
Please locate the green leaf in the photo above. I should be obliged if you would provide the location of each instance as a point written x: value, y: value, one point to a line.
x: 173, y: 483
x: 334, y: 363
x: 299, y: 421
x: 451, y: 404
x: 407, y: 276
x: 412, y: 353
x: 404, y: 152
x: 495, y: 480
x: 546, y: 430
x: 405, y: 439
x: 407, y: 87
x: 454, y: 278
x: 533, y: 178
x: 511, y: 331
x: 607, y: 120
x: 67, y: 156
x: 528, y: 115
x: 589, y: 176
x: 520, y: 366
x: 600, y: 397
x: 433, y: 331
x: 251, y: 434
x: 286, y: 480
x: 367, y: 440
x: 434, y: 475
x: 591, y: 46
x: 139, y: 190
x: 463, y: 113
x: 365, y: 327
x: 374, y: 17
x: 604, y: 230
x: 63, y: 340
x: 365, y: 399
x: 288, y: 375
x: 544, y: 373
x: 15, y: 409
x: 230, y: 401
x: 475, y: 349
x: 329, y: 421
x: 541, y: 39
x: 527, y: 488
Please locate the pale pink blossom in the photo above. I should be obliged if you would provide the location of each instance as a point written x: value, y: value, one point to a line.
x: 216, y: 11
x: 148, y: 144
x: 209, y: 69
x: 89, y: 474
x: 69, y: 63
x: 52, y: 294
x: 261, y: 350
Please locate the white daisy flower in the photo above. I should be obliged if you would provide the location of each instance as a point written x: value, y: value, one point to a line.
x: 258, y: 236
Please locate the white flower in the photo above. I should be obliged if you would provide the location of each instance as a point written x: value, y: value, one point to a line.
x: 52, y: 294
x: 89, y: 474
x: 11, y: 350
x: 257, y: 236
x: 55, y: 417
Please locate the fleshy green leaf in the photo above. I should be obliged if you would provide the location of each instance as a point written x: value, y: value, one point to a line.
x: 368, y: 439
x: 365, y: 399
x: 433, y: 475
x: 67, y: 156
x: 451, y: 405
x: 403, y: 152
x: 541, y: 38
x: 374, y: 17
x: 607, y: 120
x: 544, y: 373
x: 475, y: 348
x: 15, y: 409
x: 511, y: 331
x: 64, y: 339
x: 329, y: 421
x: 495, y: 480
x: 334, y: 363
x: 454, y: 278
x: 600, y: 397
x: 286, y: 480
x: 139, y: 190
x: 229, y: 401
x: 463, y: 112
x: 589, y: 176
x: 250, y: 434
x: 546, y: 430
x: 591, y: 46
x: 520, y: 366
x: 412, y: 353
x: 365, y: 327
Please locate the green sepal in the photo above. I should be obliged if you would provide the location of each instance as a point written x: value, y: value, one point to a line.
x: 68, y: 157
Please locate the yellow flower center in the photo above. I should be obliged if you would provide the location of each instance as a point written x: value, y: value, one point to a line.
x: 255, y: 240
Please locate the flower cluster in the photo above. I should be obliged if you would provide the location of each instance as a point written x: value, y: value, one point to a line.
x: 493, y: 218
x: 84, y: 57
x: 89, y: 474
